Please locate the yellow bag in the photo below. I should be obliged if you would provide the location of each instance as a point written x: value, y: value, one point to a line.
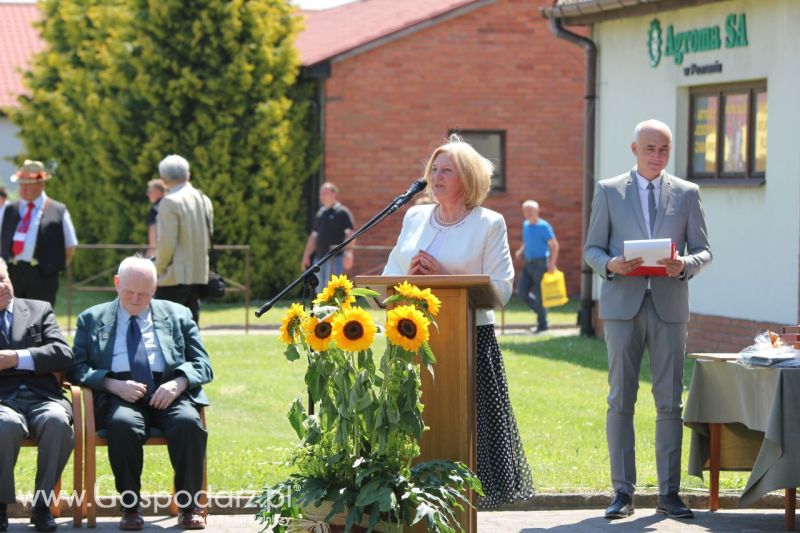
x: 554, y: 289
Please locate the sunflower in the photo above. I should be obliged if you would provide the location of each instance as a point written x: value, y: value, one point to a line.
x: 339, y: 291
x: 431, y: 302
x: 318, y: 333
x: 407, y: 327
x: 294, y: 317
x: 423, y: 299
x: 408, y: 291
x: 353, y: 330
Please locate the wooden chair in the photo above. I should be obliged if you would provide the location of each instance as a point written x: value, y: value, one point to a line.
x: 74, y: 393
x: 94, y: 438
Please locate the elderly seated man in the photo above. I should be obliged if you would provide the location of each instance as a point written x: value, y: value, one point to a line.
x: 32, y: 351
x: 146, y: 356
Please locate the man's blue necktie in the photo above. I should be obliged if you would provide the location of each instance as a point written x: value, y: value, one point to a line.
x: 140, y: 367
x: 5, y: 343
x: 651, y: 206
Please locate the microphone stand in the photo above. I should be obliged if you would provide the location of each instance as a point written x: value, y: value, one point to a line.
x: 309, y: 277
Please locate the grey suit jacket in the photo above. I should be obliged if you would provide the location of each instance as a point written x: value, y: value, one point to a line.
x: 617, y: 216
x: 178, y: 338
x: 183, y: 237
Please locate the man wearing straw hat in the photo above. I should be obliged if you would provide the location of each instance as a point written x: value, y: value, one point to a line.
x: 37, y: 237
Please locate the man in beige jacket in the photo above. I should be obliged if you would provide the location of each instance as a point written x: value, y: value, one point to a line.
x: 185, y: 217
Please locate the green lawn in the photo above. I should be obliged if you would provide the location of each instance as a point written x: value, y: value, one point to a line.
x: 219, y: 314
x: 557, y: 385
x: 558, y: 389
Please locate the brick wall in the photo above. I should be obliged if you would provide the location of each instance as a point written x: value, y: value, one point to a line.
x: 709, y: 333
x: 495, y: 68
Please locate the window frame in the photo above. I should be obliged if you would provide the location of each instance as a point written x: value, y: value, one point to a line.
x: 501, y: 175
x: 750, y: 177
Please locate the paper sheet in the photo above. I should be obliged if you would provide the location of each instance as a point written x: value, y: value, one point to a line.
x: 650, y: 250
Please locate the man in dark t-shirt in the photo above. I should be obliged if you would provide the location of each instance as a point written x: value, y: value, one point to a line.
x: 332, y: 225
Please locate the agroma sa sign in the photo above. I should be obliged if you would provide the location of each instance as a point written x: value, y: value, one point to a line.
x: 678, y: 44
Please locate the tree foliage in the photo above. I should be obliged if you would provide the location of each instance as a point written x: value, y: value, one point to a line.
x: 123, y: 83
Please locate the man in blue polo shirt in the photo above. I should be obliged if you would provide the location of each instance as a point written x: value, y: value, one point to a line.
x: 540, y: 249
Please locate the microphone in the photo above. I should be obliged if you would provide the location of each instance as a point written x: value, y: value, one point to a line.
x: 404, y: 198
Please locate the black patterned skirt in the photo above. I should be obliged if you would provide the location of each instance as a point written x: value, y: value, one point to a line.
x: 502, y: 467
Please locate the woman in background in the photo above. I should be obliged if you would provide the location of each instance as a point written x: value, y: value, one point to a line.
x: 454, y: 235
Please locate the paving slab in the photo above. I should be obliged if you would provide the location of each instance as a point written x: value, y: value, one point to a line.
x: 592, y: 520
x: 560, y: 521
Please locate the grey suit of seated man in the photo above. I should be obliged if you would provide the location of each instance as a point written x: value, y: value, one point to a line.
x: 646, y: 312
x: 32, y: 351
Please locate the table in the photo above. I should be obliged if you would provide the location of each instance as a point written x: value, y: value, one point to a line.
x: 765, y: 400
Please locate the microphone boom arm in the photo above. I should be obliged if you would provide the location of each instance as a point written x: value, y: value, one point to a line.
x: 393, y: 206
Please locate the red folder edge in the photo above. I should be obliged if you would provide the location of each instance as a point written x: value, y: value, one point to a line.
x: 657, y: 271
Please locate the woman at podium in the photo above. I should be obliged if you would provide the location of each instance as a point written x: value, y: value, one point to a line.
x: 455, y: 235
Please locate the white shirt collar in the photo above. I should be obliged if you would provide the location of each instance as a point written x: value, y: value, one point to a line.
x: 38, y: 202
x: 123, y: 316
x: 642, y: 182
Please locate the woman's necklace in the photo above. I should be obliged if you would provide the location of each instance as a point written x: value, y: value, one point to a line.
x: 437, y: 219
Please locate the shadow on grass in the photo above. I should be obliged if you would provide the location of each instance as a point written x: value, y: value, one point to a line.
x: 584, y: 351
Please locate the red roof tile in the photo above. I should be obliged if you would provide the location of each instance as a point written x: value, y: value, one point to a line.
x: 330, y: 32
x: 19, y: 40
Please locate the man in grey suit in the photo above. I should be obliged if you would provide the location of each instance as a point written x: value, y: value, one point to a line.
x: 184, y: 225
x: 32, y: 350
x: 641, y: 312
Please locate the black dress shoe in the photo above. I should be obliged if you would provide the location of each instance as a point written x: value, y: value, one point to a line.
x: 3, y: 517
x: 42, y: 519
x: 132, y: 519
x: 672, y: 506
x: 621, y: 506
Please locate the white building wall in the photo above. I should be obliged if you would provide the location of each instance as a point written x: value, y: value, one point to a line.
x: 10, y: 146
x: 754, y: 232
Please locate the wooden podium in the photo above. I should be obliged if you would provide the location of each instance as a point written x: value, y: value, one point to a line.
x: 449, y: 398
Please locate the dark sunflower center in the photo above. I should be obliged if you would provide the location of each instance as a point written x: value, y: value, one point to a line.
x: 322, y: 330
x: 407, y: 328
x: 353, y: 330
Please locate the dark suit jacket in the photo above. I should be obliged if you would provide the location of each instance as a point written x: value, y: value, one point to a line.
x: 177, y: 335
x: 34, y: 328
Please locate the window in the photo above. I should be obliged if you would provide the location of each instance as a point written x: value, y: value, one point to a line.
x: 492, y: 146
x: 728, y: 134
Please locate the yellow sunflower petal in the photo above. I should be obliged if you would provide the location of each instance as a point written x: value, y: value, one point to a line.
x: 431, y: 302
x: 408, y: 290
x: 353, y: 330
x: 318, y: 333
x: 294, y: 317
x: 407, y: 327
x: 339, y: 288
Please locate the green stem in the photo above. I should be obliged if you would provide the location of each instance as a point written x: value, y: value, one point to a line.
x: 356, y: 428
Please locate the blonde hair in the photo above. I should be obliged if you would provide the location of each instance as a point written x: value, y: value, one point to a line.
x: 474, y: 170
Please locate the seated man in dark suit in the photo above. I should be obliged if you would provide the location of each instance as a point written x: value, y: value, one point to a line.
x: 147, y: 356
x: 31, y: 404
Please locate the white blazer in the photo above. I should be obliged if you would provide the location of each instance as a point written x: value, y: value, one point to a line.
x: 479, y: 246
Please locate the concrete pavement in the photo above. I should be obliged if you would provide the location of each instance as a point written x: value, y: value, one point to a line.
x: 559, y: 521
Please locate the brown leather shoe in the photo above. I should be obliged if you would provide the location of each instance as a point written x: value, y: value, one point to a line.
x: 192, y: 518
x: 132, y: 520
